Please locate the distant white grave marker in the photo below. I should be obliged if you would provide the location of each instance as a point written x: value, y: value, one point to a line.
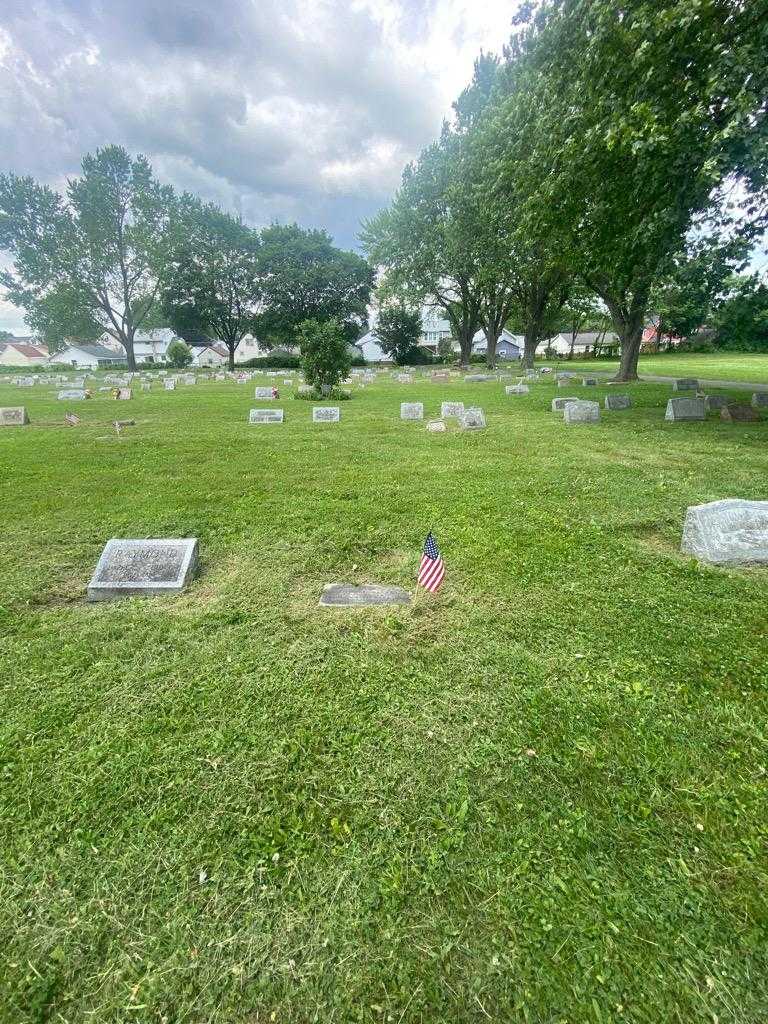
x: 265, y: 416
x: 411, y: 411
x: 326, y: 414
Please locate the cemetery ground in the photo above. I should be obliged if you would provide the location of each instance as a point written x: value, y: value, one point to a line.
x: 751, y: 367
x: 539, y: 796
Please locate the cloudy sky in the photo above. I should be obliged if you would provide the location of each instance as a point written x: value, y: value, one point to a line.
x: 300, y: 110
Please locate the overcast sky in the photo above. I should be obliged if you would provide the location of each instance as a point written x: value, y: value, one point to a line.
x: 300, y: 110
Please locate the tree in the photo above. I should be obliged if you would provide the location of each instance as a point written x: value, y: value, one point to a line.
x: 95, y: 258
x: 741, y: 318
x: 581, y: 310
x: 398, y: 330
x: 325, y: 354
x: 305, y: 277
x: 6, y: 336
x: 214, y: 285
x: 179, y: 354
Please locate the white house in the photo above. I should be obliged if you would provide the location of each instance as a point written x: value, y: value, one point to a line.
x: 88, y: 357
x: 508, y: 346
x: 371, y: 349
x: 21, y: 352
x: 584, y: 343
x: 209, y: 355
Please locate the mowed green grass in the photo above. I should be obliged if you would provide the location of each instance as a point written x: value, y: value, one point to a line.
x: 539, y: 796
x: 726, y: 366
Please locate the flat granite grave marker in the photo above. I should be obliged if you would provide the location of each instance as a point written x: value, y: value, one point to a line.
x: 581, y: 412
x: 736, y: 412
x: 266, y: 416
x: 143, y: 567
x: 411, y: 410
x: 472, y: 419
x: 451, y: 410
x: 13, y: 416
x: 517, y: 389
x: 681, y: 410
x: 686, y: 384
x: 732, y: 531
x: 615, y: 402
x: 759, y: 400
x: 436, y: 427
x: 263, y: 393
x: 345, y: 595
x: 326, y: 414
x: 72, y: 395
x: 559, y: 404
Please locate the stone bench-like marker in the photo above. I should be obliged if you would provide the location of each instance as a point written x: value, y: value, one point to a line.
x: 326, y: 414
x: 436, y: 427
x: 737, y: 412
x: 257, y: 416
x: 614, y: 402
x: 728, y: 532
x: 472, y: 419
x: 451, y: 410
x: 14, y: 416
x: 589, y: 382
x: 411, y: 410
x: 681, y: 410
x: 759, y: 400
x: 559, y: 404
x: 517, y: 389
x: 72, y: 395
x: 345, y: 595
x: 715, y: 402
x: 581, y: 412
x: 152, y: 568
x: 686, y: 384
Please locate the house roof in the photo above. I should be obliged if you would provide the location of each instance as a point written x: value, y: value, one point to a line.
x: 591, y: 337
x: 97, y: 351
x: 30, y: 351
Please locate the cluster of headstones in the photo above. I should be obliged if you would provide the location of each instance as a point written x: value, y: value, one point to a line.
x: 472, y: 418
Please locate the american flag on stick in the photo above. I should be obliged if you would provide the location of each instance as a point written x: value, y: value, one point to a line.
x: 432, y: 569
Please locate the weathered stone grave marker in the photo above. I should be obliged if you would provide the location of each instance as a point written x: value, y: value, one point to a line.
x: 169, y: 385
x: 265, y: 416
x: 581, y: 412
x: 345, y: 595
x: 736, y: 412
x: 759, y: 400
x: 263, y: 393
x: 516, y: 389
x: 148, y: 567
x: 732, y: 531
x: 681, y: 410
x: 589, y: 382
x: 472, y: 419
x: 615, y: 402
x: 71, y: 419
x: 124, y: 394
x: 72, y: 395
x: 411, y: 411
x: 436, y: 427
x: 686, y: 384
x: 715, y: 402
x: 476, y: 378
x: 326, y: 414
x: 13, y: 416
x: 451, y: 410
x: 559, y: 404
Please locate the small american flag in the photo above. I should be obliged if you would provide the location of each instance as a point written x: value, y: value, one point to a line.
x: 431, y: 570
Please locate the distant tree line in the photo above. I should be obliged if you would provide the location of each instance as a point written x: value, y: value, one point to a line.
x: 120, y: 252
x: 592, y: 167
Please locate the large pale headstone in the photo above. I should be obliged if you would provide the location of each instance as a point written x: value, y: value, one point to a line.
x: 615, y: 402
x: 169, y: 385
x: 581, y: 412
x: 728, y: 532
x: 436, y: 427
x: 411, y: 410
x: 472, y: 419
x: 263, y: 393
x: 326, y: 414
x: 143, y: 567
x: 72, y: 395
x: 13, y: 416
x: 680, y: 410
x: 451, y: 410
x: 760, y: 400
x: 736, y: 412
x: 686, y: 384
x: 265, y: 416
x: 517, y: 389
x: 345, y: 595
x: 559, y: 404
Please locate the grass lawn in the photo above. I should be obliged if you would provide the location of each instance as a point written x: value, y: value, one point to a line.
x: 737, y: 366
x: 539, y: 797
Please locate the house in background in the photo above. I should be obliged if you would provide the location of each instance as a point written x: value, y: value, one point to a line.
x: 214, y: 354
x: 22, y: 352
x: 585, y: 343
x: 509, y: 346
x: 89, y: 356
x: 371, y: 349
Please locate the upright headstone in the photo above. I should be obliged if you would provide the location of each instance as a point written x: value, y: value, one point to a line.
x: 615, y: 402
x: 143, y: 567
x: 686, y: 384
x: 26, y: 382
x: 265, y: 416
x: 680, y: 410
x: 516, y: 389
x: 760, y: 400
x: 72, y: 395
x: 124, y: 394
x: 475, y: 378
x: 736, y: 412
x: 728, y: 532
x: 564, y: 382
x: 581, y: 412
x: 13, y: 416
x: 326, y: 414
x: 169, y: 385
x: 589, y: 382
x: 264, y: 393
x: 472, y: 419
x: 451, y: 410
x: 715, y: 402
x: 411, y: 411
x: 403, y: 378
x: 559, y: 404
x: 146, y: 385
x: 441, y: 376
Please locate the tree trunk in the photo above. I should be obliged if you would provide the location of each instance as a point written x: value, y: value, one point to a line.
x: 465, y: 344
x: 127, y: 342
x: 492, y: 340
x: 630, y: 331
x: 231, y: 350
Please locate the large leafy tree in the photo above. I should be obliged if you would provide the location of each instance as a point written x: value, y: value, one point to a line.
x: 94, y: 258
x: 741, y: 318
x: 214, y: 283
x: 398, y: 330
x: 304, y: 276
x: 325, y: 353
